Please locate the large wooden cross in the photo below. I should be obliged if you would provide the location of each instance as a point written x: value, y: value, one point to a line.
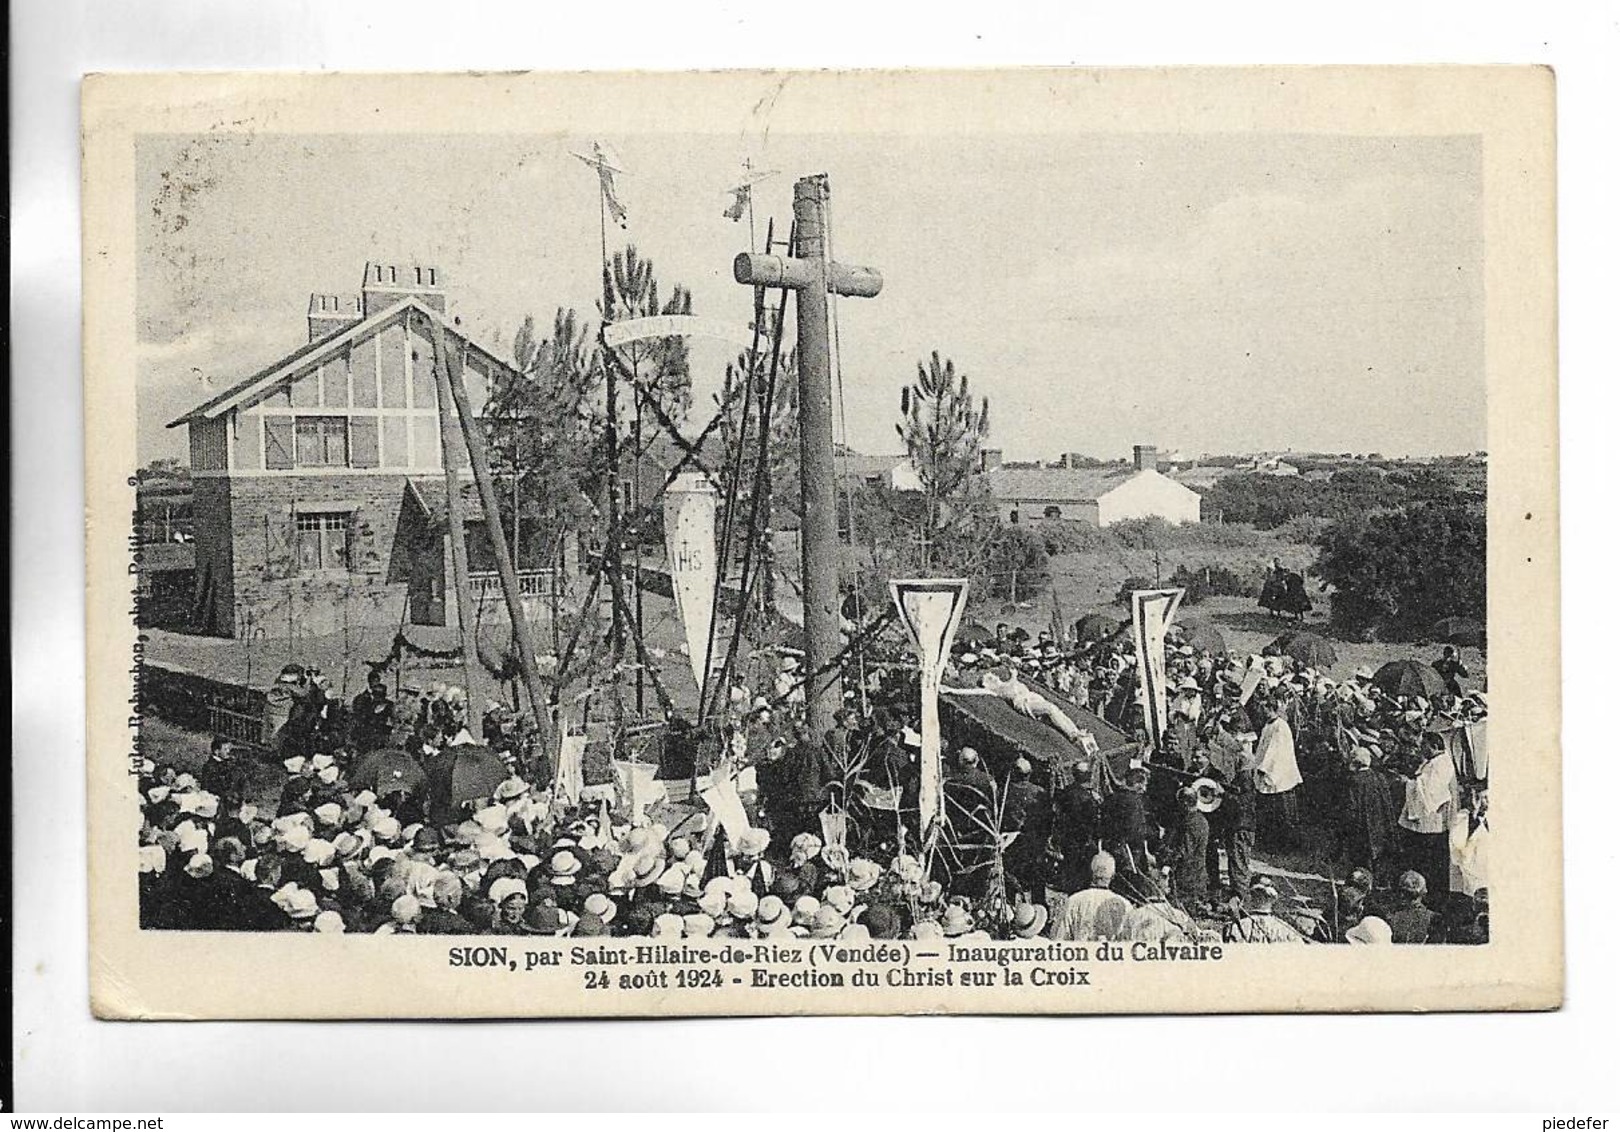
x: 811, y: 276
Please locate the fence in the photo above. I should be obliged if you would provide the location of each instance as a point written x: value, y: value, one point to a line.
x: 198, y: 703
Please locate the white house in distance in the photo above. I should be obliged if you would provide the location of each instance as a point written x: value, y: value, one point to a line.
x: 1099, y: 496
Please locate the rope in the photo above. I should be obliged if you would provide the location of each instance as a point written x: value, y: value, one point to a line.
x: 843, y: 440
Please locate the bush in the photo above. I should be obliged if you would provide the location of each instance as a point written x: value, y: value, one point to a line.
x: 1015, y: 564
x: 1270, y: 501
x: 1208, y: 581
x: 1065, y: 536
x: 1134, y: 582
x: 1398, y: 572
x: 1307, y: 529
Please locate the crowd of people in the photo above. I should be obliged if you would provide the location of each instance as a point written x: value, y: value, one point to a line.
x: 415, y: 816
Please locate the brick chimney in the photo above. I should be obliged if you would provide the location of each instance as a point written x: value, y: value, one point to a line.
x: 329, y: 314
x: 1145, y: 457
x: 388, y: 283
x: 989, y: 459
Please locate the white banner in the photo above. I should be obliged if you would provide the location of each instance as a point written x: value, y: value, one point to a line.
x: 676, y: 326
x: 931, y: 609
x: 689, y: 505
x: 1151, y: 614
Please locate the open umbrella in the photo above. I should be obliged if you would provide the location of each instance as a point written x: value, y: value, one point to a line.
x: 1096, y: 627
x: 1460, y: 631
x: 461, y: 774
x: 1408, y: 678
x: 1308, y: 649
x: 1205, y: 637
x: 388, y: 770
x: 974, y: 634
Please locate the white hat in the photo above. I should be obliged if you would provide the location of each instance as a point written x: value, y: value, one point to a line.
x: 492, y: 818
x: 1370, y: 930
x: 505, y: 888
x: 192, y: 838
x: 330, y: 921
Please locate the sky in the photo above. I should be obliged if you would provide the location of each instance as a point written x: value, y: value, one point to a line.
x: 1208, y: 293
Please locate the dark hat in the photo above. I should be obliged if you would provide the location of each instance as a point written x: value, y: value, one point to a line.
x: 590, y: 924
x: 544, y: 918
x: 882, y: 921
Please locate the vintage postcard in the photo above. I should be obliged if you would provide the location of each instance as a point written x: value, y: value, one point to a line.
x: 1033, y: 541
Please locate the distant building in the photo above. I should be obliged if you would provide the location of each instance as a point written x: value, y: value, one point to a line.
x: 1271, y: 466
x: 318, y: 493
x: 894, y: 472
x: 1099, y: 496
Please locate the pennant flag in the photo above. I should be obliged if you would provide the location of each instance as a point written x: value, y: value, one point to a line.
x: 930, y: 609
x: 607, y: 167
x: 739, y: 202
x: 1151, y: 614
x: 742, y: 193
x: 725, y: 803
x: 689, y: 505
x: 569, y: 783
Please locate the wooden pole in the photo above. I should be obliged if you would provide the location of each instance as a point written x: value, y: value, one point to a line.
x: 811, y: 274
x: 452, y: 508
x: 478, y: 457
x: 817, y: 487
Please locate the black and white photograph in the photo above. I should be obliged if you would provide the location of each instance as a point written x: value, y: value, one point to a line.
x: 715, y: 567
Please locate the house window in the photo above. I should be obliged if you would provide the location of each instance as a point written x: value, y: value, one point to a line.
x: 1052, y: 512
x: 1012, y: 516
x: 323, y: 442
x: 323, y: 541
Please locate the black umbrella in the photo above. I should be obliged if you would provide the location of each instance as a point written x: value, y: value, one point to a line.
x: 1096, y: 627
x: 1205, y: 637
x: 1460, y: 631
x: 1307, y: 649
x: 466, y: 773
x: 973, y: 634
x: 388, y: 770
x: 1410, y: 678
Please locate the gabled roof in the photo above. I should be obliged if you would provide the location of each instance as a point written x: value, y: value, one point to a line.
x: 1076, y: 485
x: 315, y: 352
x: 1068, y: 485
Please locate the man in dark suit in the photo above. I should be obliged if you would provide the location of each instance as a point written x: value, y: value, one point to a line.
x: 223, y: 775
x: 1125, y: 827
x: 1186, y: 852
x: 1368, y: 817
x: 1076, y: 831
x: 1234, y: 827
x: 371, y: 721
x: 1028, y: 812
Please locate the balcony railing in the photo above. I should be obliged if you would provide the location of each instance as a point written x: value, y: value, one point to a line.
x: 531, y: 583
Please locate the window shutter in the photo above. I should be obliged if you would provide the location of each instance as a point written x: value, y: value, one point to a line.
x: 363, y: 442
x: 278, y: 443
x: 363, y: 557
x: 279, y: 561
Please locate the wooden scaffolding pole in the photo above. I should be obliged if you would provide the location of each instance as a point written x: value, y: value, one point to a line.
x: 477, y: 455
x: 453, y: 512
